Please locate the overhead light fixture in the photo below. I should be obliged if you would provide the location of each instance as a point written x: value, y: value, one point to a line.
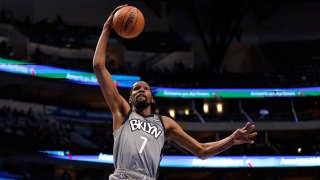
x: 206, y: 108
x: 219, y: 107
x: 186, y: 112
x: 172, y: 113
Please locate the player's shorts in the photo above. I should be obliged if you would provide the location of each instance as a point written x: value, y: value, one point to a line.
x: 124, y: 174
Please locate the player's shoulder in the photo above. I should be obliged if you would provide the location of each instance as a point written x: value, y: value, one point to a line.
x: 166, y: 118
x: 168, y: 122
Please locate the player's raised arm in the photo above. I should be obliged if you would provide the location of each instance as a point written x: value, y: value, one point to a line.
x: 117, y: 104
x: 206, y: 150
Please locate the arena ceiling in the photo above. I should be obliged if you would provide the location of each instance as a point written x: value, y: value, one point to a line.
x: 217, y: 23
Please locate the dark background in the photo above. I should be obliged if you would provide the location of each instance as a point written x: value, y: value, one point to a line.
x: 186, y: 44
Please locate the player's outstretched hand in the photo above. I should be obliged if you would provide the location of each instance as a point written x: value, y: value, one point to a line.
x: 108, y: 23
x: 244, y: 135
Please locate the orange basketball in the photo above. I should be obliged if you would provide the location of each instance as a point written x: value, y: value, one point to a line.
x: 128, y: 22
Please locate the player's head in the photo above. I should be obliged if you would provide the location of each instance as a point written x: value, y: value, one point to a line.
x: 140, y: 95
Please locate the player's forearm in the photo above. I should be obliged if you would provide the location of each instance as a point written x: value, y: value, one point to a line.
x: 99, y: 59
x: 213, y: 148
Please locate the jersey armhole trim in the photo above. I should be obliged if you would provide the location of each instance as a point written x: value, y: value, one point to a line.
x: 164, y: 128
x: 127, y: 117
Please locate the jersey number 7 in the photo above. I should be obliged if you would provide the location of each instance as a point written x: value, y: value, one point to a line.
x: 143, y: 144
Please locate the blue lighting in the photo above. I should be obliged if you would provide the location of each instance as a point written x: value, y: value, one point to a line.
x: 213, y: 162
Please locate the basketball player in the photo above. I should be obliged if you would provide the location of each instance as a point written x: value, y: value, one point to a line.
x: 139, y: 135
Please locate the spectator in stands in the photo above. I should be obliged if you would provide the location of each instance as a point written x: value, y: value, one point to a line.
x: 139, y: 135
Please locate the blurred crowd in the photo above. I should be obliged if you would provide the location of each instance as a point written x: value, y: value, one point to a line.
x: 294, y: 64
x: 28, y: 131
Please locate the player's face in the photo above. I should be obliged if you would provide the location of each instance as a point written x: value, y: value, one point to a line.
x: 141, y: 96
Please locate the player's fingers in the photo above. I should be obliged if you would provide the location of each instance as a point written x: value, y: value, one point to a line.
x: 251, y: 128
x: 117, y: 8
x: 252, y: 135
x: 245, y: 140
x: 109, y: 20
x: 248, y: 140
x: 246, y: 126
x: 242, y: 131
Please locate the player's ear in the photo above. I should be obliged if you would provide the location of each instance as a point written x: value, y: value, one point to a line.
x: 153, y: 101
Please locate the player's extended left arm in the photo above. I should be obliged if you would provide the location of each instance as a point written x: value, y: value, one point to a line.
x: 206, y: 150
x: 239, y: 136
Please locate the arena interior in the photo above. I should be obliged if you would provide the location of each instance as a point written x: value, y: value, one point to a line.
x: 213, y: 65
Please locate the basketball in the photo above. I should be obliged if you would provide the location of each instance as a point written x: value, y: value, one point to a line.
x: 128, y: 22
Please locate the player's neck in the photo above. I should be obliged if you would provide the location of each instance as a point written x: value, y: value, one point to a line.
x: 144, y: 112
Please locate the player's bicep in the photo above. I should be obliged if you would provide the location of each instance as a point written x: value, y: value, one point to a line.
x: 109, y: 90
x: 180, y: 137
